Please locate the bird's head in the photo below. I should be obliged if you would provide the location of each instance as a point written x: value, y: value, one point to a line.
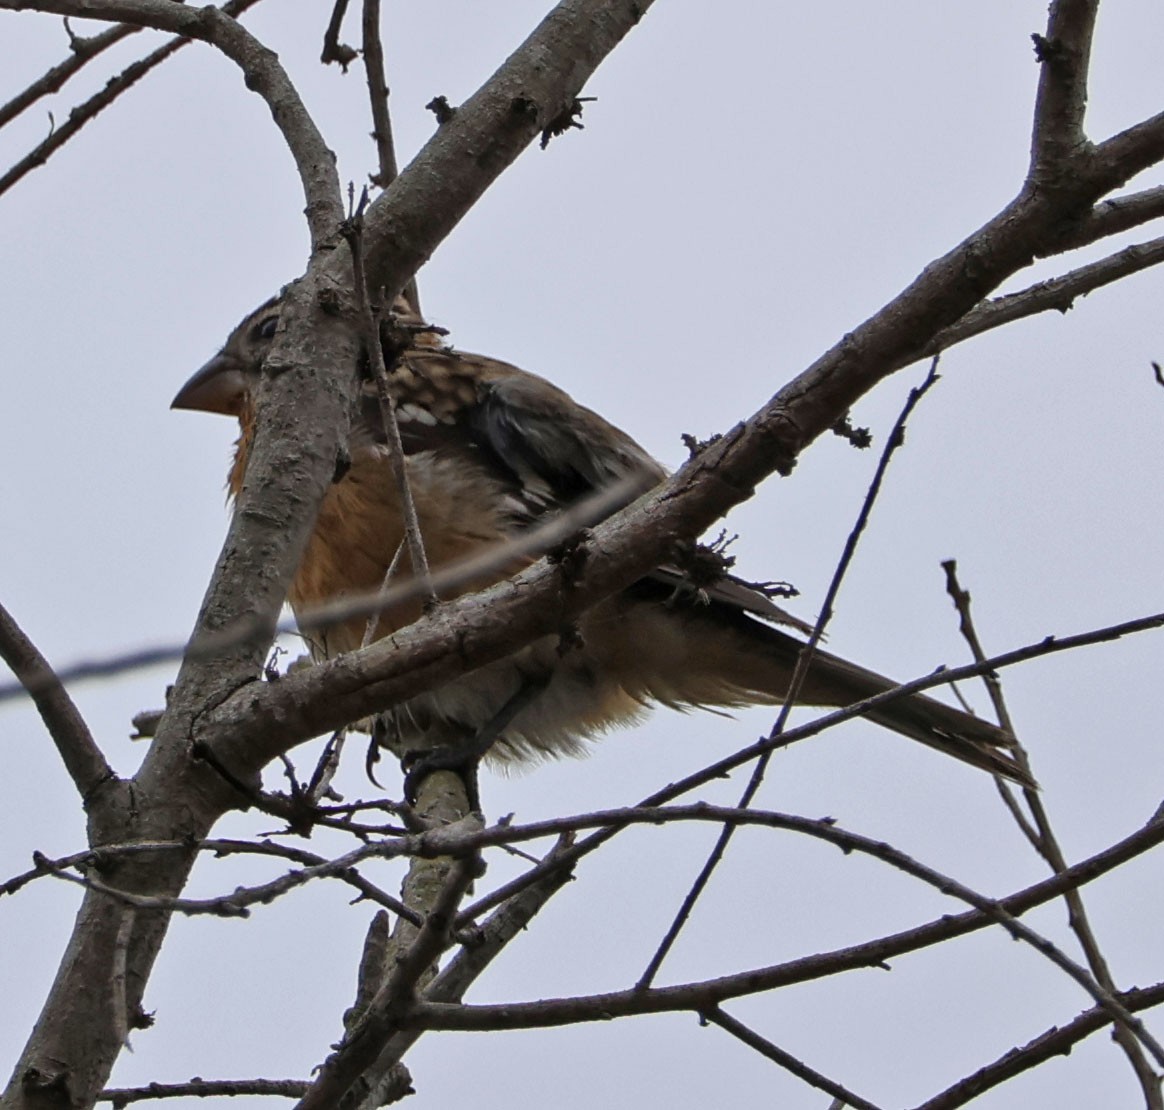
x: 230, y: 380
x: 231, y: 377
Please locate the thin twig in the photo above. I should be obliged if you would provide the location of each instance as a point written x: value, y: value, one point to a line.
x: 1056, y: 1041
x: 239, y: 901
x: 353, y: 232
x: 89, y: 109
x: 376, y: 614
x: 324, y: 869
x: 1042, y: 837
x: 53, y: 80
x: 799, y: 674
x: 333, y: 49
x: 785, y: 1059
x: 1055, y: 294
x: 298, y: 809
x: 321, y: 867
x: 378, y: 93
x: 204, y: 1088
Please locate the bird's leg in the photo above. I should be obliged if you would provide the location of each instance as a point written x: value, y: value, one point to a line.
x: 463, y: 759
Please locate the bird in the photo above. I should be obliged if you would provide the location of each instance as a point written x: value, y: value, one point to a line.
x: 493, y: 452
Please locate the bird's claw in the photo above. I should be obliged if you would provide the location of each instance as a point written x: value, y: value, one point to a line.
x: 462, y: 761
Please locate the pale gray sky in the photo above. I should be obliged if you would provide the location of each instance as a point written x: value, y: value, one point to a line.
x: 754, y: 180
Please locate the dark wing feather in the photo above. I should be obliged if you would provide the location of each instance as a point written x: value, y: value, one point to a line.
x: 557, y: 450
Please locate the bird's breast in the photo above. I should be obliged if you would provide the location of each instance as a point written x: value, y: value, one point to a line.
x: 461, y: 507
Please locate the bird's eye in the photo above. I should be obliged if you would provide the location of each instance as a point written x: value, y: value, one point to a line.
x: 265, y: 328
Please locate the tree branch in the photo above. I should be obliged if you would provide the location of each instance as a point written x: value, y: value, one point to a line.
x: 365, y: 1041
x: 1114, y: 216
x: 1064, y: 54
x: 784, y: 1059
x: 800, y: 672
x: 53, y: 80
x: 204, y: 1088
x: 89, y: 109
x: 1056, y: 1041
x: 696, y: 996
x: 1057, y: 293
x: 262, y: 72
x: 468, y: 964
x: 373, y: 53
x: 1047, y: 845
x: 78, y: 750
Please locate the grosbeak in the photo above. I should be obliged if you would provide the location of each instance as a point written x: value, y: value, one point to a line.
x: 492, y: 451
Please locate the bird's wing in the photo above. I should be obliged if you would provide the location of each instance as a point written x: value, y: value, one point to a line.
x: 550, y: 452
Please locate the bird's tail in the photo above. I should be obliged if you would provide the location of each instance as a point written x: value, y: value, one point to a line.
x: 837, y: 682
x: 727, y: 658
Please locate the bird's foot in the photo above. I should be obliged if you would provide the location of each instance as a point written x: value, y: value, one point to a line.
x: 463, y: 759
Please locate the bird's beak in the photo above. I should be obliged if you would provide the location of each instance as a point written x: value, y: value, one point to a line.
x: 220, y: 386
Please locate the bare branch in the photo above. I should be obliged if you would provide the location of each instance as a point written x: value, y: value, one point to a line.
x: 75, y: 744
x: 373, y: 53
x: 83, y: 51
x: 1056, y: 1041
x: 355, y: 685
x: 803, y: 661
x: 99, y: 101
x: 1114, y: 216
x: 785, y: 1059
x: 364, y: 1042
x: 1047, y: 845
x: 333, y: 49
x: 263, y: 74
x: 1124, y: 155
x: 204, y: 1088
x: 1064, y: 54
x: 320, y: 868
x: 463, y: 970
x: 353, y: 232
x: 239, y: 901
x: 1056, y: 294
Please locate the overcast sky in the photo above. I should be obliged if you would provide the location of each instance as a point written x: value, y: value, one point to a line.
x: 753, y: 181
